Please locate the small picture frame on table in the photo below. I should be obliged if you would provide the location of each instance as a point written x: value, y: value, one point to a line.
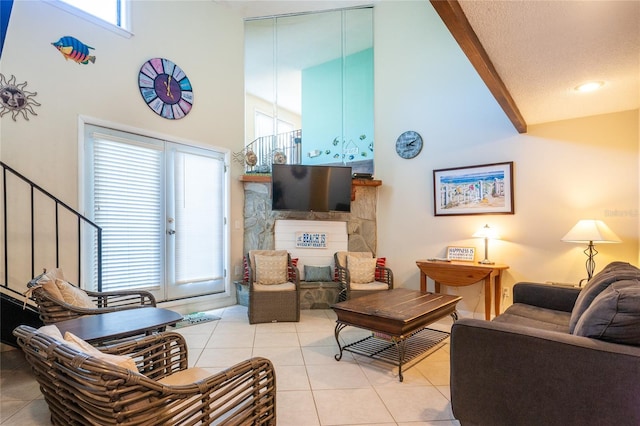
x: 465, y: 254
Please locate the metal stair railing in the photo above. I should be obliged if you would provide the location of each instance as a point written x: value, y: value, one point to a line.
x: 33, y: 231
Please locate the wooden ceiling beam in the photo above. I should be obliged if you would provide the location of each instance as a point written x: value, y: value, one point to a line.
x: 456, y: 21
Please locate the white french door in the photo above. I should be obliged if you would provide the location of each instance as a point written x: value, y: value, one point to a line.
x: 162, y: 207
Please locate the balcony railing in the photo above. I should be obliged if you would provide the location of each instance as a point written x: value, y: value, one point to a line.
x: 259, y: 155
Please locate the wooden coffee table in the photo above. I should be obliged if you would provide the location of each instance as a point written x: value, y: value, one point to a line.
x: 398, y: 319
x: 119, y: 325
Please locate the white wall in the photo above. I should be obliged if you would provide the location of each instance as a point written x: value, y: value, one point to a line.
x: 563, y: 171
x: 204, y: 39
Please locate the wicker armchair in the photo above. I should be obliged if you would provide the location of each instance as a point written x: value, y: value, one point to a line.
x: 383, y: 276
x: 81, y: 389
x: 274, y: 295
x: 53, y: 310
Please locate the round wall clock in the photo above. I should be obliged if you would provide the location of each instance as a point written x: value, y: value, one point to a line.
x: 165, y: 88
x: 409, y: 144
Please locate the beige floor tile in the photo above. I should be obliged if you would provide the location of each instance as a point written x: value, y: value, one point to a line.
x: 19, y: 385
x: 314, y: 355
x: 291, y: 377
x: 352, y: 406
x: 415, y: 403
x: 35, y: 413
x: 341, y: 375
x: 276, y: 327
x: 296, y: 408
x: 222, y: 357
x: 291, y: 355
x: 9, y: 407
x: 272, y: 339
x: 231, y: 340
x: 317, y: 338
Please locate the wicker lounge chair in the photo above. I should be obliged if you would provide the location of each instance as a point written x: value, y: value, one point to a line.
x: 274, y: 293
x: 53, y: 309
x: 382, y: 276
x: 82, y: 389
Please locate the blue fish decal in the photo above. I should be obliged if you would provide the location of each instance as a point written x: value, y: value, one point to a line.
x: 74, y: 49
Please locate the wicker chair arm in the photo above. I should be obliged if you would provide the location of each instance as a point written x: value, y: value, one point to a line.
x: 386, y: 275
x: 157, y: 355
x: 123, y: 297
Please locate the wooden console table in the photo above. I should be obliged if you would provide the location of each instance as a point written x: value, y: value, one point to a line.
x: 458, y: 274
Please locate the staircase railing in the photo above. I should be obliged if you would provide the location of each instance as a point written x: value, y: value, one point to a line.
x: 45, y: 236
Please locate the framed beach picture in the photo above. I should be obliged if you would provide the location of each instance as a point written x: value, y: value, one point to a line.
x: 482, y: 189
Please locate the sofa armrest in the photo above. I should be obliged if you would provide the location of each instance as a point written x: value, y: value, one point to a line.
x: 505, y: 374
x: 546, y: 296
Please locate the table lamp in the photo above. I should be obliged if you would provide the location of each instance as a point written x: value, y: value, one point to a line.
x: 590, y: 231
x: 486, y: 232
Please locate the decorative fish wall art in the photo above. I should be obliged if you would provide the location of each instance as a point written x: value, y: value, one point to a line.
x: 74, y: 49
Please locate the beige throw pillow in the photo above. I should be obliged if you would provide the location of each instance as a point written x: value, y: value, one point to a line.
x: 73, y: 295
x: 361, y: 270
x: 48, y: 282
x: 271, y: 269
x: 119, y: 360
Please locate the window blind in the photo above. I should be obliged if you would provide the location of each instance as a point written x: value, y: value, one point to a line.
x: 128, y: 204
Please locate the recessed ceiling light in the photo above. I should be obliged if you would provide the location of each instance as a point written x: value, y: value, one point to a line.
x: 589, y: 86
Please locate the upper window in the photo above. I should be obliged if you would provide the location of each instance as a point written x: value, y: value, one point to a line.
x: 113, y: 12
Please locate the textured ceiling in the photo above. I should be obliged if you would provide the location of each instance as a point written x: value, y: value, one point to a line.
x: 541, y: 49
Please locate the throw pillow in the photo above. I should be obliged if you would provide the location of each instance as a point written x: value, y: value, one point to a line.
x: 245, y: 267
x: 73, y: 295
x: 271, y: 269
x: 82, y: 346
x: 613, y: 272
x: 317, y: 273
x: 48, y: 282
x: 290, y: 269
x: 361, y: 270
x: 51, y: 331
x: 380, y: 263
x: 614, y: 315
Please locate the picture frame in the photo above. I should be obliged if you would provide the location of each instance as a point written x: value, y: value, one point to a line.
x: 471, y: 190
x: 465, y: 254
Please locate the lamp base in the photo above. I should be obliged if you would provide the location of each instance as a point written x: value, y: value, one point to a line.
x: 486, y: 262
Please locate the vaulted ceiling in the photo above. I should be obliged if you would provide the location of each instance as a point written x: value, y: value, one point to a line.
x: 531, y: 54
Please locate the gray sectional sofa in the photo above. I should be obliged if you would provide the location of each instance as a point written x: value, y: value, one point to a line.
x: 557, y: 356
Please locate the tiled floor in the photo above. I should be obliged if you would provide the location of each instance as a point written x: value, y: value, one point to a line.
x: 313, y: 388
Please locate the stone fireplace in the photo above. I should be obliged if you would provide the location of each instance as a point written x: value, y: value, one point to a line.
x: 259, y: 219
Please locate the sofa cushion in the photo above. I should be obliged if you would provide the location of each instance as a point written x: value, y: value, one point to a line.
x: 535, y: 317
x: 317, y: 273
x: 614, y: 315
x: 611, y: 273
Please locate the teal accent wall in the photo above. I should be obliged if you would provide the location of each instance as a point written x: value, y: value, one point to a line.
x: 323, y: 110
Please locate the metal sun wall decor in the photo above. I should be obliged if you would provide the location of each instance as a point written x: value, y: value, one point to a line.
x: 74, y: 49
x: 14, y: 99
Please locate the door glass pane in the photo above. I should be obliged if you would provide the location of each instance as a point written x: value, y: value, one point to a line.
x: 198, y: 221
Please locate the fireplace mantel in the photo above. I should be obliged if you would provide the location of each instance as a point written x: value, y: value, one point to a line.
x: 267, y: 178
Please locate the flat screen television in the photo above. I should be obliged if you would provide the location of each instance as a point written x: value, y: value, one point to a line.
x: 311, y: 188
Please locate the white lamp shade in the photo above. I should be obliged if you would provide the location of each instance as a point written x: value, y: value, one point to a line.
x: 486, y: 232
x: 591, y: 230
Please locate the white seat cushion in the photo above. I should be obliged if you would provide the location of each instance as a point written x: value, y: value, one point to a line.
x: 375, y: 285
x: 288, y: 286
